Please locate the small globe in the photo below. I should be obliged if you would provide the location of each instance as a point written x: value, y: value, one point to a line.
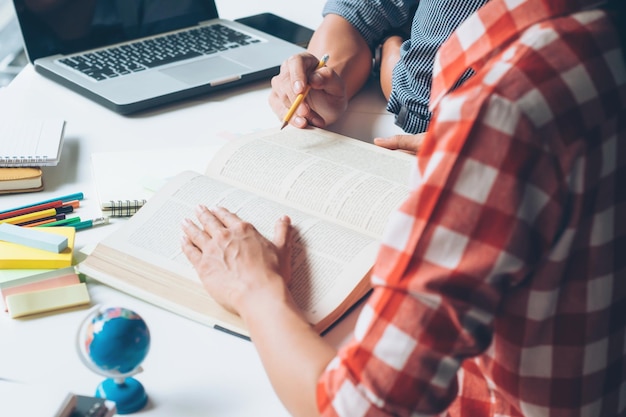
x: 113, y: 342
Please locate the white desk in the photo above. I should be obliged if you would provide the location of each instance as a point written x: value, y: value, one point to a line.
x: 191, y: 370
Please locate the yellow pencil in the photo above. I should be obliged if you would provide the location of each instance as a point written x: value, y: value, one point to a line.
x: 302, y: 95
x: 30, y: 216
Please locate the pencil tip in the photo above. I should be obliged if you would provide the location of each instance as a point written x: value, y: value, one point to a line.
x: 284, y: 124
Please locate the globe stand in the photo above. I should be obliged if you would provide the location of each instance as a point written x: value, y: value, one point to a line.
x: 127, y: 393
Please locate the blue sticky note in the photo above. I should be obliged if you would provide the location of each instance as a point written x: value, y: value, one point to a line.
x: 32, y: 237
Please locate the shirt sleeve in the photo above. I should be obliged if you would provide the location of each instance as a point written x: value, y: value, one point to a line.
x: 372, y: 18
x: 467, y: 233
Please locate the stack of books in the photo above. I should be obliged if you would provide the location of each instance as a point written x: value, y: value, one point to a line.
x: 26, y: 146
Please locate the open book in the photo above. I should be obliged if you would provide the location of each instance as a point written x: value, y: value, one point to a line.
x: 338, y: 191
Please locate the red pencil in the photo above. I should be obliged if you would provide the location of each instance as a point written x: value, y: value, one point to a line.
x: 32, y: 209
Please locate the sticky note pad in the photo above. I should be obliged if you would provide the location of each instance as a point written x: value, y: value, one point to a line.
x: 28, y: 303
x: 45, y: 282
x: 19, y: 277
x: 16, y: 256
x: 7, y: 276
x: 32, y: 237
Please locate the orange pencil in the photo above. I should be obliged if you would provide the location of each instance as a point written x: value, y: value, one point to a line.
x: 73, y: 203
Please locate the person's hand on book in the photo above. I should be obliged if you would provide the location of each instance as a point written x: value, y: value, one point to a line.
x: 407, y: 143
x: 233, y: 260
x: 326, y: 101
x: 243, y: 271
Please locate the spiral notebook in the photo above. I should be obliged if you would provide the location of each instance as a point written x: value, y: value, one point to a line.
x: 31, y: 142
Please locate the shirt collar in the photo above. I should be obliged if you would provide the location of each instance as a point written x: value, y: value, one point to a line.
x: 489, y: 29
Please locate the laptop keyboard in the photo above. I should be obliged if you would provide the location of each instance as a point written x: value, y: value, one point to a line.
x: 141, y: 55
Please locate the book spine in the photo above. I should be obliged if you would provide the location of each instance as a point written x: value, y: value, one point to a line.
x: 122, y: 208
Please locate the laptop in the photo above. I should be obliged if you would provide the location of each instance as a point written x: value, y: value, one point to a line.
x: 133, y: 55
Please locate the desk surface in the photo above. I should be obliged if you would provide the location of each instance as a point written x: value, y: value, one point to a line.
x: 191, y: 370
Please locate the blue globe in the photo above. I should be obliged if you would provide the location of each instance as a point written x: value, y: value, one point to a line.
x: 116, y: 340
x: 113, y: 342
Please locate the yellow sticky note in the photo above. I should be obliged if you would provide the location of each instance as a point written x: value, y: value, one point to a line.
x: 16, y: 256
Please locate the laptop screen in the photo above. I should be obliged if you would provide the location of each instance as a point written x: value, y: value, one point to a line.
x: 51, y: 27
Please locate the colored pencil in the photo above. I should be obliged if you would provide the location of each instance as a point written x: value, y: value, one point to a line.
x: 69, y: 197
x: 67, y: 222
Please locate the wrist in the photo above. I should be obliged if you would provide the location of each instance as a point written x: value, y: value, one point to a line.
x: 378, y: 53
x: 263, y: 299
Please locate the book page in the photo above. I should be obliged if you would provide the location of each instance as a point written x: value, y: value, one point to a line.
x: 328, y: 261
x: 317, y: 171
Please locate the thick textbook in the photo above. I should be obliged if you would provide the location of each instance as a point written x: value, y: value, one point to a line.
x: 31, y: 143
x: 338, y: 191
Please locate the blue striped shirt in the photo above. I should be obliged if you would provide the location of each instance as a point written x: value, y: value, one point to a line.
x: 433, y: 22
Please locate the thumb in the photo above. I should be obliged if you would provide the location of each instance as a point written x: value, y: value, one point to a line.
x: 282, y: 230
x: 407, y: 143
x: 282, y: 240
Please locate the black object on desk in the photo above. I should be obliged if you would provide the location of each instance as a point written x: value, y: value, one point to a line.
x: 279, y: 27
x: 92, y: 407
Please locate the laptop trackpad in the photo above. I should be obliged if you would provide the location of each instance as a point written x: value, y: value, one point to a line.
x: 213, y: 70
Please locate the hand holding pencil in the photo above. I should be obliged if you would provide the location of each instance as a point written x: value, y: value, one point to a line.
x: 301, y: 96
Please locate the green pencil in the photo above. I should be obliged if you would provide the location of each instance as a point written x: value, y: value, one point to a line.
x: 65, y: 222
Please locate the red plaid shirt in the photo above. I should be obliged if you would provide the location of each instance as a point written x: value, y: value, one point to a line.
x: 500, y: 288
